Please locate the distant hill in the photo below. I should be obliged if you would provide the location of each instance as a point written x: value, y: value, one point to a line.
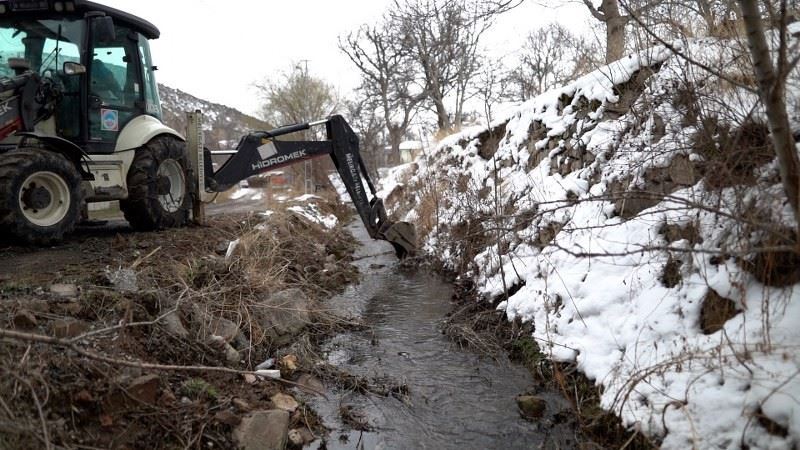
x: 223, y: 127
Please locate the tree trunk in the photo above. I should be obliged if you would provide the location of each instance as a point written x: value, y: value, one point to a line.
x: 771, y: 90
x: 395, y: 138
x: 615, y: 30
x: 442, y: 117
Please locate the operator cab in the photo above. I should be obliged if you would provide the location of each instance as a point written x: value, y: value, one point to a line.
x: 97, y: 57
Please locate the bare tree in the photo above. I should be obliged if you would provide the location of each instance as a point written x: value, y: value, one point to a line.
x: 368, y: 124
x: 550, y: 57
x: 674, y: 19
x: 296, y: 96
x: 715, y: 14
x: 609, y: 14
x: 444, y: 37
x: 492, y: 86
x: 388, y: 77
x: 772, y: 90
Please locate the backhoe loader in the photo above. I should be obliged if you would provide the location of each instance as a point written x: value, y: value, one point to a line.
x: 81, y: 122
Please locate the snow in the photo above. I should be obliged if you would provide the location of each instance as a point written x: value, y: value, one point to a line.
x: 247, y: 194
x: 389, y: 182
x: 338, y: 185
x: 594, y: 291
x: 312, y: 213
x: 243, y: 192
x: 306, y: 197
x: 411, y: 145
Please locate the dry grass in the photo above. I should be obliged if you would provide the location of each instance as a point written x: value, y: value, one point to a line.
x: 51, y: 398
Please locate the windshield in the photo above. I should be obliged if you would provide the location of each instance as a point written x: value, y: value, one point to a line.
x: 45, y: 44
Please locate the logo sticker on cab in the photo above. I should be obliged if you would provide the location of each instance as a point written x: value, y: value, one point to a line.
x: 109, y: 120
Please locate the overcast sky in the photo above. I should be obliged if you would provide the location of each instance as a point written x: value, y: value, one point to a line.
x: 216, y: 50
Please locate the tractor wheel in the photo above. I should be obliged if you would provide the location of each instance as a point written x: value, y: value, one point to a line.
x: 159, y: 194
x: 40, y: 195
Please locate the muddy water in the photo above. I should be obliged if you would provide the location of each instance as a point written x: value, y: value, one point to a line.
x: 457, y: 399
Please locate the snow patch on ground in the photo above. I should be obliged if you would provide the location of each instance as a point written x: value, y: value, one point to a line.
x: 312, y: 213
x: 251, y: 194
x: 338, y: 185
x: 243, y: 193
x: 306, y: 198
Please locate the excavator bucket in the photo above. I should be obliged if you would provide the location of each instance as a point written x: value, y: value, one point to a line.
x: 403, y: 237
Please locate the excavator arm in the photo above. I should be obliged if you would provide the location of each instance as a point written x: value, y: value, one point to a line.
x: 260, y: 152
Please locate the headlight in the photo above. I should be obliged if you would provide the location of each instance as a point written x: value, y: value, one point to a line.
x: 58, y: 7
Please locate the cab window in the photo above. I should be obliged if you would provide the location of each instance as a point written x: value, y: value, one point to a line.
x: 45, y: 45
x: 152, y: 101
x: 68, y: 112
x: 114, y: 76
x: 11, y: 46
x: 115, y: 85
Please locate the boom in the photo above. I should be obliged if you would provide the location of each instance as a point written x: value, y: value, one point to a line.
x: 259, y: 152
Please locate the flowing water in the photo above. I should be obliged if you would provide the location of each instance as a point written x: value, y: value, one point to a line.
x: 456, y: 400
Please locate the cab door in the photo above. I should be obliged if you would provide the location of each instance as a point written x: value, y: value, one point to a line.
x: 116, y: 94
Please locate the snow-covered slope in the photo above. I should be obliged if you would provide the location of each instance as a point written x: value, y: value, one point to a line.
x: 636, y: 216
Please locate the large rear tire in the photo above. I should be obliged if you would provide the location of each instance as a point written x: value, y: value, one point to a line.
x: 40, y: 195
x: 159, y: 194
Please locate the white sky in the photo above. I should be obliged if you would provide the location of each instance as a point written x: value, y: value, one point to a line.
x: 216, y: 50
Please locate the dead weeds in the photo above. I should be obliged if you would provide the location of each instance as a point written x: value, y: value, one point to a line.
x: 52, y: 398
x: 380, y: 386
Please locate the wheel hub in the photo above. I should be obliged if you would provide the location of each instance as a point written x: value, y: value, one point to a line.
x: 44, y: 198
x: 170, y: 185
x: 163, y: 185
x: 36, y: 197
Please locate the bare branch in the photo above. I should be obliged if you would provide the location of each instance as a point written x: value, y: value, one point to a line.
x: 594, y: 11
x: 72, y: 345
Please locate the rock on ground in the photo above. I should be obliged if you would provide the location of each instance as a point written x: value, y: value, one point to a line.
x: 64, y: 290
x: 531, y: 407
x: 285, y: 402
x: 300, y: 436
x: 284, y: 314
x: 205, y: 325
x: 145, y: 389
x: 263, y: 430
x: 172, y: 323
x: 310, y: 384
x: 25, y: 320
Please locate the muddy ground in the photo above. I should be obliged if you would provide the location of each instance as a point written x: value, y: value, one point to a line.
x: 113, y: 339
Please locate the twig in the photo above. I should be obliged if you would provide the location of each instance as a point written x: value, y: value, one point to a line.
x: 45, y: 430
x: 144, y: 258
x: 72, y: 345
x: 123, y: 325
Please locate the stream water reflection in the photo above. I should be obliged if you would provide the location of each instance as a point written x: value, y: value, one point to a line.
x: 457, y: 399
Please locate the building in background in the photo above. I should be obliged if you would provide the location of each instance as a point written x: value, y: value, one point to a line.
x: 410, y: 150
